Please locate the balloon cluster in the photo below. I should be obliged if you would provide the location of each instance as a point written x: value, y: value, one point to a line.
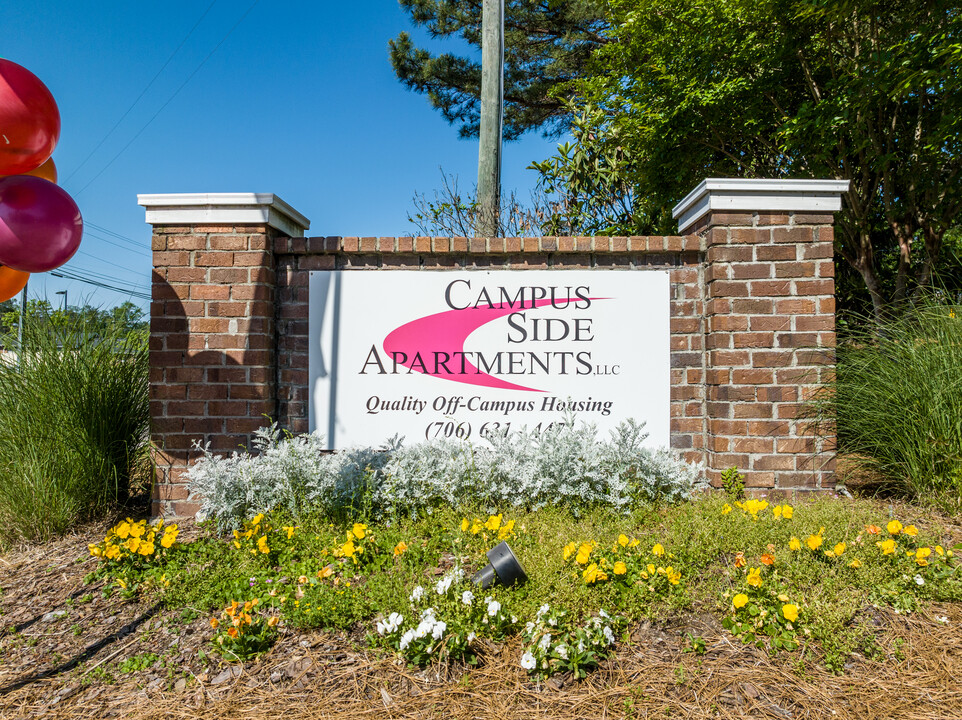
x: 40, y: 224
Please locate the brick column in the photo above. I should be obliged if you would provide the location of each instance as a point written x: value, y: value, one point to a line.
x: 212, y: 328
x: 770, y: 330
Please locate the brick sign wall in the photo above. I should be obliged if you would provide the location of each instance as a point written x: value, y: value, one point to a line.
x: 752, y: 321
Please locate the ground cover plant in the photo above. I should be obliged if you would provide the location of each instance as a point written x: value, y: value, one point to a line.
x: 904, y: 375
x: 565, y: 465
x: 74, y: 417
x: 777, y: 576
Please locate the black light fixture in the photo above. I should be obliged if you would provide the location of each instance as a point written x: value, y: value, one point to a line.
x: 503, y: 567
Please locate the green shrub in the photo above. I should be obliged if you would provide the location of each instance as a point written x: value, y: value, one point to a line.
x: 897, y: 403
x: 74, y: 428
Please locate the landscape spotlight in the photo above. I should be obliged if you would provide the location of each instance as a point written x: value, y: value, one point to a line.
x: 504, y: 567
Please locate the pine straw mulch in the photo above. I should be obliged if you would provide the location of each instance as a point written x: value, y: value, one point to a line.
x: 94, y: 658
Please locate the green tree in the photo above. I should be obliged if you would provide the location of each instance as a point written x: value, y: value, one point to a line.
x: 864, y: 90
x: 87, y: 321
x: 547, y: 44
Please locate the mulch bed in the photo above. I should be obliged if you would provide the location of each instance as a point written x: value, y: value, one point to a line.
x: 68, y: 652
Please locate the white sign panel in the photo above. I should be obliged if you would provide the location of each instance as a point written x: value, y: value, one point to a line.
x: 427, y: 354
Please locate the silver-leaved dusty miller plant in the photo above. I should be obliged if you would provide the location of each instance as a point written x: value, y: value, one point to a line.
x: 565, y: 465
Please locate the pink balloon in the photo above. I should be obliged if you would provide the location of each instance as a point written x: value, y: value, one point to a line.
x: 40, y: 224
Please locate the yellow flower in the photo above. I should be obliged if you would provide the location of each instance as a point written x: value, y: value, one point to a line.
x: 272, y: 621
x: 465, y: 525
x: 289, y: 529
x: 113, y: 552
x: 910, y: 530
x: 569, y: 550
x: 856, y: 563
x: 754, y: 577
x: 726, y: 508
x: 623, y: 540
x: 790, y: 612
x: 132, y: 544
x: 839, y: 548
x: 348, y: 549
x: 658, y: 550
x: 620, y: 568
x: 476, y: 527
x: 894, y: 527
x: 794, y: 544
x: 814, y: 542
x: 787, y: 512
x: 939, y: 550
x: 651, y: 569
x: 887, y: 546
x: 753, y: 507
x: 123, y: 530
x: 325, y: 572
x: 168, y: 539
x: 674, y: 577
x: 358, y: 530
x: 137, y: 529
x: 506, y: 530
x: 146, y: 548
x: 494, y: 522
x: 400, y: 548
x: 740, y: 600
x: 593, y: 574
x: 257, y: 519
x: 95, y: 550
x: 584, y: 552
x: 783, y: 597
x: 262, y: 544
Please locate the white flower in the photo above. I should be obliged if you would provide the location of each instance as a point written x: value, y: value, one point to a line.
x: 543, y: 609
x: 406, y: 639
x: 941, y: 618
x: 444, y: 584
x: 438, y: 630
x: 609, y: 636
x: 493, y: 607
x: 545, y: 642
x: 581, y: 646
x: 471, y: 636
x: 417, y: 594
x: 919, y: 580
x: 514, y: 619
x: 603, y: 614
x: 528, y: 662
x: 529, y: 626
x: 467, y: 597
x: 562, y: 651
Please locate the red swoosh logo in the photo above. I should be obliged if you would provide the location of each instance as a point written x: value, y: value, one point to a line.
x: 445, y: 333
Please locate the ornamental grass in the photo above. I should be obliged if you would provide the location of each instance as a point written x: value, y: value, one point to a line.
x: 74, y: 428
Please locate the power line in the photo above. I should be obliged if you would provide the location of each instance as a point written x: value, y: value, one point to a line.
x: 100, y: 277
x: 105, y: 286
x: 170, y: 99
x: 106, y: 262
x: 111, y: 242
x: 143, y: 92
x: 118, y: 236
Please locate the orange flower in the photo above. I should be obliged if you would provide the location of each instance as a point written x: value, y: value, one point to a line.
x: 325, y: 572
x: 768, y: 559
x: 214, y: 622
x: 740, y: 559
x: 873, y: 529
x: 400, y: 548
x: 232, y: 632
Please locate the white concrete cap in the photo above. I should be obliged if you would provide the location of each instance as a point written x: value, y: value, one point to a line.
x: 224, y: 209
x: 744, y: 195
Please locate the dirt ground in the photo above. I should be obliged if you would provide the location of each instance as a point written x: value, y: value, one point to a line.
x: 68, y: 652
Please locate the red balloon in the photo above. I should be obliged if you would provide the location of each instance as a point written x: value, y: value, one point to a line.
x: 29, y: 120
x: 40, y: 224
x: 11, y: 282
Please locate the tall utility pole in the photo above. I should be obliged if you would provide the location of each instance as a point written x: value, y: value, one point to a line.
x: 492, y: 100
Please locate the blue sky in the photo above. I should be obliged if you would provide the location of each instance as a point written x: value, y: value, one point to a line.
x: 293, y: 97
